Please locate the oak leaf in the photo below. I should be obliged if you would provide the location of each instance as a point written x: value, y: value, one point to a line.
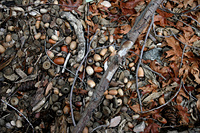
x: 182, y: 112
x: 152, y: 128
x: 176, y: 52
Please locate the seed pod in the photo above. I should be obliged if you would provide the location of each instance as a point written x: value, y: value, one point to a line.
x: 8, y: 38
x: 2, y: 49
x: 37, y: 36
x: 140, y: 72
x: 73, y: 45
x: 91, y: 83
x: 14, y: 101
x: 66, y: 110
x: 37, y: 24
x: 68, y: 40
x: 54, y: 37
x: 103, y: 52
x: 52, y: 41
x: 50, y: 54
x: 109, y: 97
x: 120, y: 91
x: 89, y: 70
x: 112, y: 92
x: 46, y: 65
x: 30, y: 70
x: 59, y: 60
x: 64, y: 48
x: 97, y: 57
x: 98, y: 69
x: 11, y: 28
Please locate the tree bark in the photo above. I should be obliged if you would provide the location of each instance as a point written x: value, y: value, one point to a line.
x: 140, y: 23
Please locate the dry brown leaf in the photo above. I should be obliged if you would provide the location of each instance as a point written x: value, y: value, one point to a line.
x: 49, y: 87
x: 135, y: 108
x: 176, y: 52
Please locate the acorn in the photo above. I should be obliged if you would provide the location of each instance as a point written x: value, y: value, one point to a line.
x: 120, y: 91
x: 140, y: 72
x: 50, y: 54
x: 37, y: 36
x: 64, y: 48
x: 111, y: 49
x: 89, y: 70
x: 37, y: 24
x: 54, y: 37
x: 52, y: 41
x: 78, y: 104
x: 11, y: 28
x: 2, y: 49
x: 8, y: 38
x: 97, y: 57
x: 86, y: 130
x: 66, y: 109
x: 91, y: 83
x: 73, y: 45
x: 131, y: 64
x: 109, y: 97
x: 59, y: 60
x: 161, y: 100
x: 98, y: 69
x: 30, y: 70
x: 103, y: 52
x: 112, y: 92
x: 68, y: 40
x: 106, y: 92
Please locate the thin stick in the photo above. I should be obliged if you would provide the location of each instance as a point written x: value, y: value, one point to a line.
x: 19, y: 113
x: 139, y: 62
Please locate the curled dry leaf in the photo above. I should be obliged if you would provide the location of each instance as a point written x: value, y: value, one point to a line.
x: 115, y: 121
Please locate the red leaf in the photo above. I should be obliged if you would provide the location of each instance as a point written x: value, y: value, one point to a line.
x: 152, y: 127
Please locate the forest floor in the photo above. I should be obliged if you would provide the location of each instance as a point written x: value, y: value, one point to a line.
x: 54, y: 56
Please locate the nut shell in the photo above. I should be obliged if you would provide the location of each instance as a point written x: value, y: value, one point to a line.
x: 109, y: 97
x: 89, y: 70
x: 8, y: 38
x: 2, y: 49
x: 97, y: 57
x: 46, y: 65
x: 59, y: 60
x: 103, y: 52
x: 64, y: 48
x: 98, y: 69
x: 113, y: 92
x: 140, y: 72
x: 91, y: 83
x: 50, y: 54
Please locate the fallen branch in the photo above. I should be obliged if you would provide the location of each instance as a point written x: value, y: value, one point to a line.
x: 141, y: 22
